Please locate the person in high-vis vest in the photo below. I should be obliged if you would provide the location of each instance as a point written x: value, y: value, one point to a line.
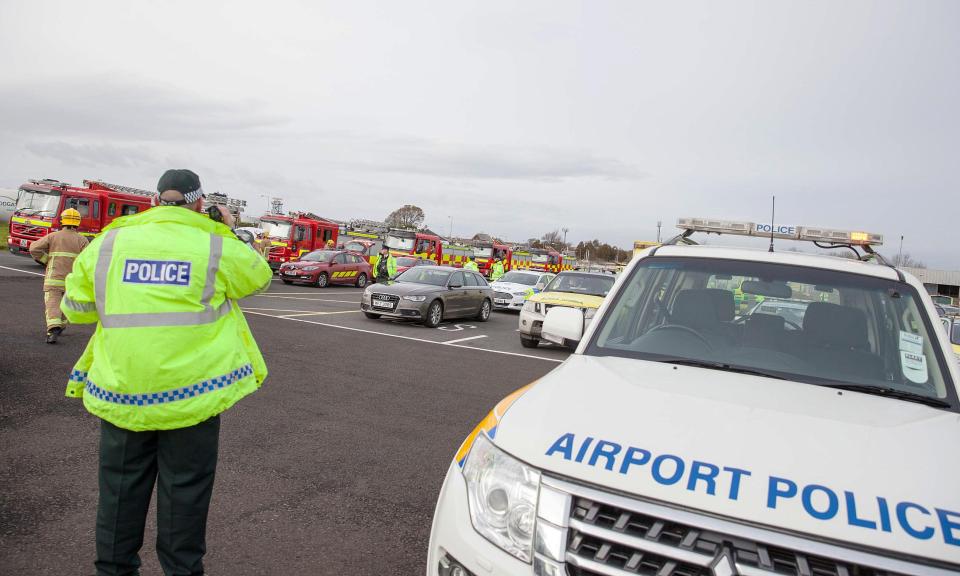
x: 57, y: 251
x: 170, y: 352
x: 386, y: 266
x: 496, y: 269
x: 471, y: 265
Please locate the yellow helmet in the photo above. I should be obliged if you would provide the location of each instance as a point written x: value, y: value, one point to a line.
x: 70, y: 217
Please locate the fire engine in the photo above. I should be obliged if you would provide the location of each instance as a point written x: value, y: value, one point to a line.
x: 40, y: 202
x: 296, y: 234
x: 549, y: 260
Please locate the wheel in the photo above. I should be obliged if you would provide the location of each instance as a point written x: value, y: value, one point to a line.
x: 361, y: 281
x: 323, y: 280
x: 528, y: 342
x: 371, y: 315
x: 484, y: 314
x: 434, y: 314
x: 285, y: 281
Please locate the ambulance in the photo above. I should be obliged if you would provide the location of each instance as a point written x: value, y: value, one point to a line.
x: 685, y: 438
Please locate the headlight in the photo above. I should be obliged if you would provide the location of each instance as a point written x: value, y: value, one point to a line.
x: 310, y: 268
x: 519, y: 292
x: 415, y: 298
x: 502, y: 493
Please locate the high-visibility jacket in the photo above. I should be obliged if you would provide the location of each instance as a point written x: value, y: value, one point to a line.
x: 496, y: 271
x: 391, y: 265
x: 171, y: 348
x: 57, y: 251
x: 471, y: 265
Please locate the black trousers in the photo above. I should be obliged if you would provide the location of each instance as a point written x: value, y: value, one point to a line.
x: 182, y: 464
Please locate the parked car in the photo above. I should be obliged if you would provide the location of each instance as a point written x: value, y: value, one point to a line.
x: 583, y: 291
x: 429, y: 295
x: 324, y: 267
x: 514, y: 287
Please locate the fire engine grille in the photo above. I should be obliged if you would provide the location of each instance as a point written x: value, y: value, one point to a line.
x: 606, y: 540
x: 27, y: 230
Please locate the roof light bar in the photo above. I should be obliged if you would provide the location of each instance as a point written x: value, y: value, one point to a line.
x: 784, y: 231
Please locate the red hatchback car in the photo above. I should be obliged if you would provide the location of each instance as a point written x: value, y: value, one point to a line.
x: 324, y: 267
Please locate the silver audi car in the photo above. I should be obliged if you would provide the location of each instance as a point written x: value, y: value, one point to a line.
x: 429, y: 295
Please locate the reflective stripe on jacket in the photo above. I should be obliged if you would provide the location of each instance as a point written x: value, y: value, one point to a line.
x: 57, y: 251
x: 171, y: 349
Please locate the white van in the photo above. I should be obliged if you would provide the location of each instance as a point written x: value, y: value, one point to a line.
x: 693, y: 433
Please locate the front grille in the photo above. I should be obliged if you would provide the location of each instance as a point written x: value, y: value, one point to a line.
x: 27, y: 231
x: 503, y: 295
x: 607, y: 539
x: 378, y: 297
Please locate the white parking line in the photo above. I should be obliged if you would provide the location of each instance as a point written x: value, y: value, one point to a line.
x: 319, y: 313
x: 351, y: 329
x: 299, y: 298
x: 465, y: 339
x: 24, y: 271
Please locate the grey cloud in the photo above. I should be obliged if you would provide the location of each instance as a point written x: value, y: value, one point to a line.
x: 91, y: 154
x: 420, y: 157
x: 129, y: 110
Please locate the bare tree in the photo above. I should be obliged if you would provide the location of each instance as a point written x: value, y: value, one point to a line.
x: 553, y: 238
x: 407, y: 216
x: 909, y: 261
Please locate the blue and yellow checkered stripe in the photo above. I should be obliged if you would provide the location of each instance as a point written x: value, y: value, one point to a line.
x: 152, y: 398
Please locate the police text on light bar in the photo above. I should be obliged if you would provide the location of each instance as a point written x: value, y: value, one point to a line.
x: 785, y: 231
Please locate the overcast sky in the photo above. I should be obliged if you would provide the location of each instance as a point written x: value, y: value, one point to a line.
x: 513, y: 117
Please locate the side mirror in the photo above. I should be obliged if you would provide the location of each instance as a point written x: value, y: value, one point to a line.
x: 563, y: 325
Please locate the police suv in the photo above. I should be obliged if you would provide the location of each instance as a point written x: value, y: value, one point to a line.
x: 692, y: 436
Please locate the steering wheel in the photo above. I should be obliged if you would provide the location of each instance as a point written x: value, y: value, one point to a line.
x: 684, y: 329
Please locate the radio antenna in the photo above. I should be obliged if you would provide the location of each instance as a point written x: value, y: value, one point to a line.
x: 773, y: 213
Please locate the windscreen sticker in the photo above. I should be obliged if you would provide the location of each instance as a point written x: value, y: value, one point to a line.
x: 910, y: 342
x: 914, y: 367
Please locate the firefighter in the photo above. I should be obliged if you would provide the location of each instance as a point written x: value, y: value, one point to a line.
x: 330, y: 244
x: 386, y: 267
x: 170, y: 353
x: 471, y: 265
x: 57, y: 251
x: 496, y: 269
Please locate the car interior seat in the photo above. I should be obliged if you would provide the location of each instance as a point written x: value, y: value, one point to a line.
x: 835, y: 337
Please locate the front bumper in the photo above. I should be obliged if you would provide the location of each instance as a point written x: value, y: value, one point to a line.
x: 453, y: 536
x: 19, y: 247
x: 531, y: 323
x: 514, y: 303
x: 299, y: 277
x: 402, y: 309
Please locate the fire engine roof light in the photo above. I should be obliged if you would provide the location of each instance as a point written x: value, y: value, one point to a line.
x: 783, y: 231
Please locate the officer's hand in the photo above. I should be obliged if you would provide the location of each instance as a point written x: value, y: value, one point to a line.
x: 226, y: 217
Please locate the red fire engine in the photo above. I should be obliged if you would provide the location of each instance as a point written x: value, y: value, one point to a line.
x: 40, y: 202
x: 486, y: 252
x: 292, y: 236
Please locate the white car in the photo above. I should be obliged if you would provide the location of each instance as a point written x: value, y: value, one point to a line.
x: 514, y: 287
x: 682, y: 439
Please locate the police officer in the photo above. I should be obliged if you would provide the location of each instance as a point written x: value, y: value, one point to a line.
x: 496, y: 269
x: 386, y: 265
x: 471, y: 265
x: 57, y: 251
x: 171, y: 352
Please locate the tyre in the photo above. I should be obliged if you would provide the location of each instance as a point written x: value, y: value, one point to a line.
x: 371, y: 315
x: 528, y: 342
x: 434, y: 314
x: 362, y: 281
x: 285, y: 281
x: 484, y: 314
x: 323, y: 280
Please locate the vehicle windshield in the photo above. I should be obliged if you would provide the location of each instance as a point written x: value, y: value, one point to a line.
x: 825, y: 327
x: 406, y: 261
x: 319, y: 256
x: 425, y: 275
x: 519, y: 278
x: 398, y: 243
x: 483, y: 252
x: 576, y: 283
x: 356, y: 247
x: 31, y: 203
x: 539, y: 258
x: 955, y: 333
x: 276, y: 229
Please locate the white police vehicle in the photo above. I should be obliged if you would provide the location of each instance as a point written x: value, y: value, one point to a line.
x: 686, y: 437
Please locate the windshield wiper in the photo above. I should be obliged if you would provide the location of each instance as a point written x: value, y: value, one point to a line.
x: 891, y: 393
x: 721, y: 366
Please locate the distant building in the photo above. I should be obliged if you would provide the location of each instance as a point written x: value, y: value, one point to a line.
x: 943, y: 282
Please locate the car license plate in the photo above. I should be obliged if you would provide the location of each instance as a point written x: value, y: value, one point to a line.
x: 289, y: 273
x: 23, y: 243
x: 500, y: 301
x: 382, y: 304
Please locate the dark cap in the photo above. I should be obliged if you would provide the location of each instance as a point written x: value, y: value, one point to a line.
x: 183, y: 181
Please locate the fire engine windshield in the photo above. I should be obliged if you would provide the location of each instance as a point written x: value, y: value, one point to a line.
x: 816, y: 326
x: 32, y: 203
x: 540, y: 258
x: 397, y: 243
x: 483, y: 252
x: 276, y: 229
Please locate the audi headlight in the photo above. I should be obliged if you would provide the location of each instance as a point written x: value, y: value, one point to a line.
x: 310, y: 268
x: 415, y: 298
x: 502, y: 493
